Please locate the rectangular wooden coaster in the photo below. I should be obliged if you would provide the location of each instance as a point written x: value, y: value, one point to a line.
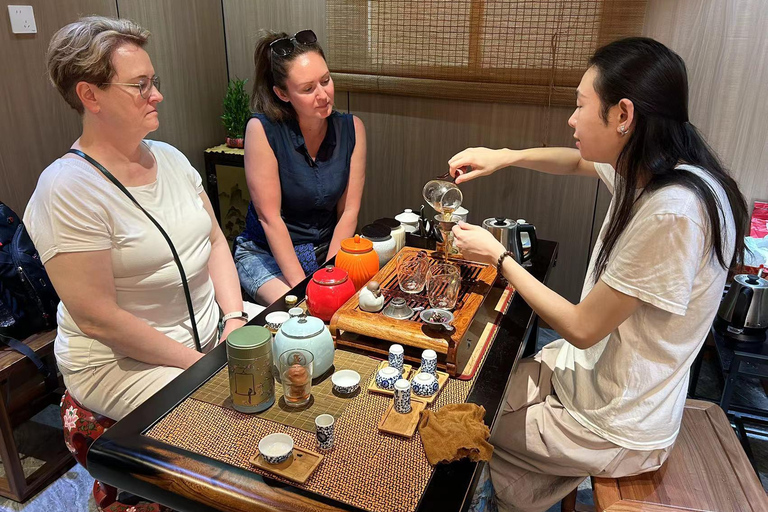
x: 442, y: 379
x: 373, y: 388
x: 298, y: 468
x: 401, y: 424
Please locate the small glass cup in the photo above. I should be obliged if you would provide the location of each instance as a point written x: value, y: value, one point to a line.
x: 443, y: 283
x: 412, y: 271
x: 296, y: 375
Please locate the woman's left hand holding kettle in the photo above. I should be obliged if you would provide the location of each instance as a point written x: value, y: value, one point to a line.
x: 476, y: 243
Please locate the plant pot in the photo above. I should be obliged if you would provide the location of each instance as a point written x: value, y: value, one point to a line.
x: 235, y: 143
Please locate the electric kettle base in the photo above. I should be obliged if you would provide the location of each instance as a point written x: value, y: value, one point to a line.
x: 747, y: 336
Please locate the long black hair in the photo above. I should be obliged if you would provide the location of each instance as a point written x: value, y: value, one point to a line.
x: 654, y: 78
x: 272, y: 70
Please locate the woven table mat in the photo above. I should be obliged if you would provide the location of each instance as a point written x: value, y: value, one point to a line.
x: 324, y: 400
x: 362, y: 469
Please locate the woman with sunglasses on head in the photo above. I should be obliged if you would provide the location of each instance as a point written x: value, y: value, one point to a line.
x: 305, y: 167
x: 124, y: 323
x: 608, y: 399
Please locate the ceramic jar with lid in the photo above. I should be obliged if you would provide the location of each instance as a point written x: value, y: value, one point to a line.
x: 328, y: 290
x: 383, y: 243
x: 358, y: 258
x: 409, y: 220
x: 308, y: 333
x: 249, y: 361
x: 396, y: 230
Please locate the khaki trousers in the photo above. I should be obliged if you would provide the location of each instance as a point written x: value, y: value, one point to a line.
x: 541, y: 453
x: 117, y: 388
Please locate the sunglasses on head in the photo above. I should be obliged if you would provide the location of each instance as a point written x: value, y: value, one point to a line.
x: 285, y: 45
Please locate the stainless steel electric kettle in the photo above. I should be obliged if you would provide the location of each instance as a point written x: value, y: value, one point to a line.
x: 743, y: 314
x: 510, y: 233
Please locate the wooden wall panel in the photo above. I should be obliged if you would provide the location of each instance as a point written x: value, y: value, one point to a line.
x: 187, y: 51
x: 245, y: 18
x: 410, y: 141
x: 37, y: 126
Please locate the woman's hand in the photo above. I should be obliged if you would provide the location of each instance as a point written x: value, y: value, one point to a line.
x: 476, y: 243
x: 230, y: 325
x: 480, y: 161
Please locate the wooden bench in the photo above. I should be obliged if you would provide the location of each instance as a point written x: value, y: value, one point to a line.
x: 23, y: 394
x: 706, y: 471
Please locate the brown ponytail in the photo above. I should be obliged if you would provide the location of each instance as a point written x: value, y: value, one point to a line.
x: 269, y: 75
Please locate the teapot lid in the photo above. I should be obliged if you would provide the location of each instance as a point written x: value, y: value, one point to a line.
x: 302, y: 327
x: 499, y: 222
x: 407, y: 216
x: 377, y: 232
x: 356, y: 245
x: 751, y: 280
x: 330, y: 275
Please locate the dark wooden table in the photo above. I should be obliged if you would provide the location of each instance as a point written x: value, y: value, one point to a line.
x: 191, y: 482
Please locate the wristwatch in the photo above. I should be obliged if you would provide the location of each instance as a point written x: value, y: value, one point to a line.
x: 235, y: 314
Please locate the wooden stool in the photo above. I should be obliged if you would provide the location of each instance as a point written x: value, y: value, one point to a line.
x: 706, y: 471
x: 81, y: 428
x: 23, y: 394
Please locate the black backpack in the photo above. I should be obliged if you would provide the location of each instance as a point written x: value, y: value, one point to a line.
x: 28, y: 301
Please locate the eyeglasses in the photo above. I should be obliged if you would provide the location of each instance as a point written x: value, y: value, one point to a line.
x: 284, y: 46
x: 144, y: 85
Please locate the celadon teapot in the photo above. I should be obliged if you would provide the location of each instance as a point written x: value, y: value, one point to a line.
x: 309, y: 333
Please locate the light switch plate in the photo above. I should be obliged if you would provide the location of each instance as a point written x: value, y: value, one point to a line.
x: 22, y: 19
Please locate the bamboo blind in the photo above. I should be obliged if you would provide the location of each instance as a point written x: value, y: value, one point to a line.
x: 517, y: 51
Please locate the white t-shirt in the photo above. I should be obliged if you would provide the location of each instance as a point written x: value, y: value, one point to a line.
x: 75, y: 209
x: 630, y: 387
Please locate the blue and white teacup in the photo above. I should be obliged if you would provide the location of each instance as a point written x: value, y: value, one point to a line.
x: 396, y: 356
x: 276, y: 448
x: 324, y: 431
x: 387, y: 376
x: 429, y: 362
x: 402, y: 396
x: 425, y: 384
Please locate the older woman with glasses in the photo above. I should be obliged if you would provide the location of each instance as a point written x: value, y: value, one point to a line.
x: 125, y: 230
x: 305, y: 167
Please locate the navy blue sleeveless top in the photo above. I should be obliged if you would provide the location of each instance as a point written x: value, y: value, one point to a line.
x: 310, y: 189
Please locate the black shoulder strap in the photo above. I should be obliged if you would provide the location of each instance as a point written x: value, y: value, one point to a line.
x: 124, y: 190
x: 51, y: 380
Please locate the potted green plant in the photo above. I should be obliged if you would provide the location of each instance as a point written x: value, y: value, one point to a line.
x: 237, y: 110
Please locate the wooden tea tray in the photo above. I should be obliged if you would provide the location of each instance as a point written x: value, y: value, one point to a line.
x: 373, y: 388
x: 442, y: 379
x: 353, y: 327
x: 298, y: 468
x: 403, y: 425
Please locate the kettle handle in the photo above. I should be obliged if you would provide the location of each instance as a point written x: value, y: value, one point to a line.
x: 740, y: 309
x: 518, y: 243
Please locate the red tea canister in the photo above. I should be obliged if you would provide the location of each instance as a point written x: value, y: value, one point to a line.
x: 328, y: 290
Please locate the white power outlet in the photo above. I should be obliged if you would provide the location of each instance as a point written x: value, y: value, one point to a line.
x: 22, y: 19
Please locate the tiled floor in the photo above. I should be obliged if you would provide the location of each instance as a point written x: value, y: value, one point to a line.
x: 72, y: 492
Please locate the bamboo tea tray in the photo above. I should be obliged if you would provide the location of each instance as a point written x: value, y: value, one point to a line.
x: 298, y: 468
x: 353, y: 327
x: 403, y: 425
x: 373, y: 388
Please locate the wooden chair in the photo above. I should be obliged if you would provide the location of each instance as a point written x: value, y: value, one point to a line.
x: 706, y: 471
x: 24, y: 393
x: 81, y: 428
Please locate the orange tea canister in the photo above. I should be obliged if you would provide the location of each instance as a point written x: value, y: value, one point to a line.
x: 358, y: 258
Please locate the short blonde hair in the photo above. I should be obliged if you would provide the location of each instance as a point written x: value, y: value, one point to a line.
x: 82, y: 52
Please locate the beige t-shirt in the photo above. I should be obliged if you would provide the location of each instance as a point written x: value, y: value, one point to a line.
x: 74, y: 209
x: 630, y: 387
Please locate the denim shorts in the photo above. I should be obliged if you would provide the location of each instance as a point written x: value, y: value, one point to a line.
x: 255, y: 266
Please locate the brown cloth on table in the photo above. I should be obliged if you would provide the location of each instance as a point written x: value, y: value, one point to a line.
x: 454, y: 432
